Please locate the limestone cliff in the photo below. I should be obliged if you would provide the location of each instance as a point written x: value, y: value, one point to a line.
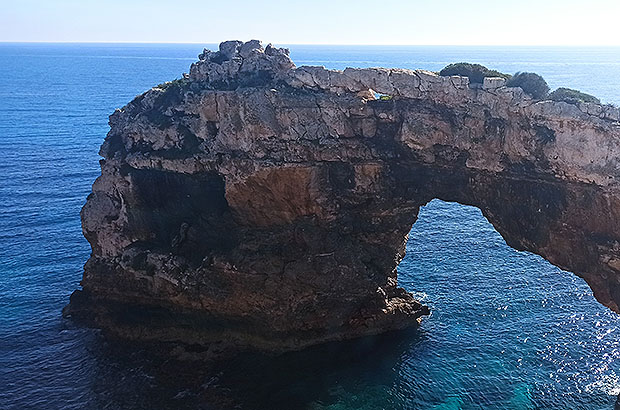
x: 267, y: 205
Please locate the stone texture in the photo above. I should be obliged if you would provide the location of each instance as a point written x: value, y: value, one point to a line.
x: 265, y: 205
x: 491, y: 83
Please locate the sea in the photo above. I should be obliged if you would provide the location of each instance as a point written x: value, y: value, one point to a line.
x: 508, y: 330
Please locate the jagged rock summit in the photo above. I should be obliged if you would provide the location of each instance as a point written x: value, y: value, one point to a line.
x: 265, y: 205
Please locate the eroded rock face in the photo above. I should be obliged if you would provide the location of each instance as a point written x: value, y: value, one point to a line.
x: 269, y: 206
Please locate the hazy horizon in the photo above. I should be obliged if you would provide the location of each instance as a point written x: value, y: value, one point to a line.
x: 216, y: 43
x: 451, y: 23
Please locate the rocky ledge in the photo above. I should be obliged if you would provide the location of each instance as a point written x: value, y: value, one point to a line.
x: 259, y: 204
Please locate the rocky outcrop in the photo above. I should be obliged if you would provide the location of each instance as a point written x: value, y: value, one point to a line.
x: 266, y: 205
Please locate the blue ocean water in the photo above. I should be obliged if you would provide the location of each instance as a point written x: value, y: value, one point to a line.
x: 507, y: 331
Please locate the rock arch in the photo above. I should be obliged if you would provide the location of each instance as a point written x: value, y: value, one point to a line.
x: 262, y: 204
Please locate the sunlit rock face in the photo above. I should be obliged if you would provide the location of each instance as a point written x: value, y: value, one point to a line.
x: 264, y: 205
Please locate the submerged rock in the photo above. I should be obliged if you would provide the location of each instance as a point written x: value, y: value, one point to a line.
x: 265, y: 205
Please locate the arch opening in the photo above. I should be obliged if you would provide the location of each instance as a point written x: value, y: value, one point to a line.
x: 497, y: 311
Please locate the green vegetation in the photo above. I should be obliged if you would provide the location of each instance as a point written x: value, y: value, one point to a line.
x: 475, y: 72
x: 533, y: 84
x: 179, y: 82
x: 572, y: 96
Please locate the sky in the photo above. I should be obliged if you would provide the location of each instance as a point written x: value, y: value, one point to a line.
x: 397, y: 22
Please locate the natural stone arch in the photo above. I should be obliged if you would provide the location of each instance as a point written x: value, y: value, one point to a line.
x: 268, y: 205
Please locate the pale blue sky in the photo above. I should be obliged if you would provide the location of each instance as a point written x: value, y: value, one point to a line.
x: 452, y: 22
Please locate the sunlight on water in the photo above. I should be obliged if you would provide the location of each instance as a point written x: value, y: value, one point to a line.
x: 542, y: 349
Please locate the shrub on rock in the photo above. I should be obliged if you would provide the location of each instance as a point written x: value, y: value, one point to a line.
x: 475, y: 72
x: 531, y: 83
x: 572, y: 96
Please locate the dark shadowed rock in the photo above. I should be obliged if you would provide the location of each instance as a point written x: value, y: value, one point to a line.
x: 269, y: 206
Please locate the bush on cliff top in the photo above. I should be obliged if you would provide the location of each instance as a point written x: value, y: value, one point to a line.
x: 179, y: 82
x: 572, y: 96
x: 533, y: 84
x: 475, y: 72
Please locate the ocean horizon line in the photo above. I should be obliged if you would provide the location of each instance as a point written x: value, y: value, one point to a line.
x: 3, y: 42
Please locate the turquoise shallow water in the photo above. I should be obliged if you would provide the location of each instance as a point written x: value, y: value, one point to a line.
x: 508, y: 330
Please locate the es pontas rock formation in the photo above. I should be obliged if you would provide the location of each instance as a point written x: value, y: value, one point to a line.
x: 262, y: 204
